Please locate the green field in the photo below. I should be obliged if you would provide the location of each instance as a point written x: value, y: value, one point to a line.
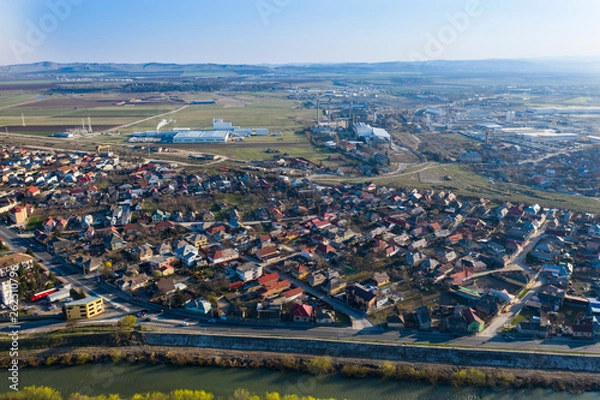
x: 466, y: 183
x: 70, y: 117
x: 248, y: 111
x: 10, y: 98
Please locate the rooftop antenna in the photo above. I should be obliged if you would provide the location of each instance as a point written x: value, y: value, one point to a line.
x: 23, y: 118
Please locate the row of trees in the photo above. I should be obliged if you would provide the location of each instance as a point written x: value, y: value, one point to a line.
x: 46, y: 393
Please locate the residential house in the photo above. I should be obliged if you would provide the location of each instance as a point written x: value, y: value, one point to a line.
x: 380, y: 278
x: 160, y: 215
x: 274, y: 288
x: 162, y: 263
x: 164, y: 287
x: 395, y: 321
x: 162, y: 226
x: 223, y: 256
x: 302, y: 313
x: 423, y: 318
x: 361, y: 296
x: 300, y: 272
x: 532, y: 328
x: 88, y: 264
x: 324, y: 316
x: 12, y: 262
x: 475, y: 324
x: 551, y: 297
x: 187, y: 254
x: 316, y: 279
x: 20, y: 214
x: 249, y: 271
x: 198, y: 240
x: 199, y: 305
x: 114, y: 242
x: 268, y: 252
x: 32, y: 192
x: 133, y: 283
x: 143, y: 252
x: 59, y: 245
x: 583, y: 328
x: 335, y: 286
x: 292, y: 294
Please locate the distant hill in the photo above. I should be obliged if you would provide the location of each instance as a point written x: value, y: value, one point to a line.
x: 480, y: 68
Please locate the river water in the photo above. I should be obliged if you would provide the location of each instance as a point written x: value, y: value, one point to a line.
x: 129, y: 379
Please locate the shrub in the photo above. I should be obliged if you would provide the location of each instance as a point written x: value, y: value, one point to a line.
x: 388, y: 370
x: 320, y: 366
x: 358, y: 371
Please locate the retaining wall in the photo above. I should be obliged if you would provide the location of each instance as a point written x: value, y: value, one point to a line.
x: 391, y: 352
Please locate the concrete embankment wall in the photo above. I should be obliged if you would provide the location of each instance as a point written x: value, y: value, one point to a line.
x: 407, y: 353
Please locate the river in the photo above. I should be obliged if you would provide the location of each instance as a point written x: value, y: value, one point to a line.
x: 128, y: 379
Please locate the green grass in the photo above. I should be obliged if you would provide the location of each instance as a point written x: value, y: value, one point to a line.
x: 582, y: 100
x: 467, y: 183
x: 70, y: 117
x: 8, y: 99
x: 519, y: 318
x: 34, y: 222
x: 258, y: 110
x: 523, y: 293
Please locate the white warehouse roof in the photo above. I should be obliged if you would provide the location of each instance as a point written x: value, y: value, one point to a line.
x: 201, y: 137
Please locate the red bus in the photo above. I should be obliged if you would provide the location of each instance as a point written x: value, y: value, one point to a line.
x: 42, y: 294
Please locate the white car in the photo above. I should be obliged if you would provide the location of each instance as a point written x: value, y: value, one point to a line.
x: 184, y: 323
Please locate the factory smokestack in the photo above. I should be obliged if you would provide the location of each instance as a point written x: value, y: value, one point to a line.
x: 318, y: 110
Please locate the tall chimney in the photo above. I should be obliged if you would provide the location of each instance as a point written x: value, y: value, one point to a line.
x: 318, y: 113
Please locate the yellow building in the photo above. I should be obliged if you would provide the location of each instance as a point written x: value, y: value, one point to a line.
x: 84, y: 308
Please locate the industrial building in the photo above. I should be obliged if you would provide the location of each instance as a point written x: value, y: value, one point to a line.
x: 84, y: 308
x: 190, y: 137
x: 364, y: 131
x: 236, y: 131
x: 221, y: 133
x: 62, y: 294
x: 539, y: 135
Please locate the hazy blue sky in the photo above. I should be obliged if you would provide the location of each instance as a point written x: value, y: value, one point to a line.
x: 286, y: 31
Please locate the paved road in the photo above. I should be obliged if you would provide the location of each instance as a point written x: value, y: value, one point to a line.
x: 169, y: 323
x: 535, y: 284
x: 65, y: 272
x: 359, y: 320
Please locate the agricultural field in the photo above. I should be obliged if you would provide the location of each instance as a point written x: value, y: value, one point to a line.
x: 45, y: 115
x: 255, y: 110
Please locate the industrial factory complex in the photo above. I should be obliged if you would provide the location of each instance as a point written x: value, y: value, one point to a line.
x: 222, y: 132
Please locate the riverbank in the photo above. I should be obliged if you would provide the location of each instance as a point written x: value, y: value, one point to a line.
x: 316, y: 366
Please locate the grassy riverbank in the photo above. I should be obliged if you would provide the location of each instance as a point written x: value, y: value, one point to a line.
x: 46, y: 393
x: 133, y: 353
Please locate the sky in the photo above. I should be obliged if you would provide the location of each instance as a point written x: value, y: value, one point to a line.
x: 294, y: 31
